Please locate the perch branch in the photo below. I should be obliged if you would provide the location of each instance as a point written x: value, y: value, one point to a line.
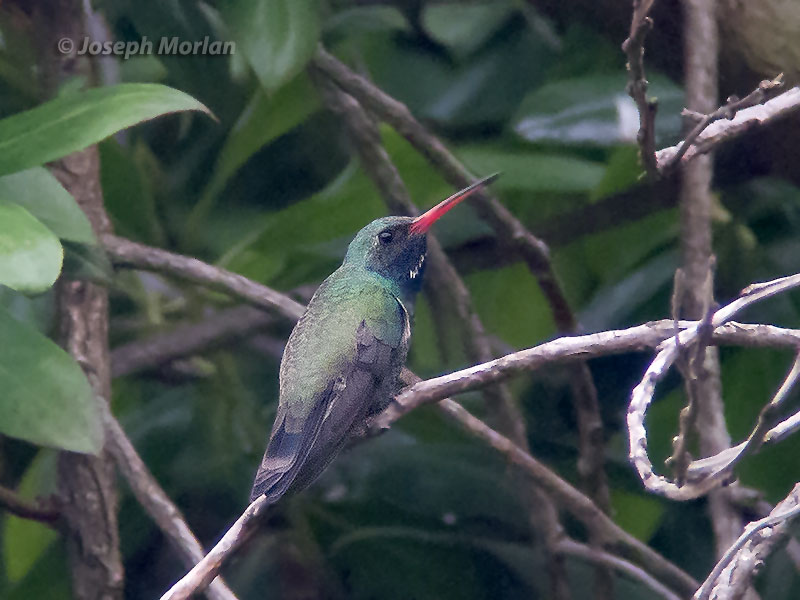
x: 578, y: 504
x: 207, y: 568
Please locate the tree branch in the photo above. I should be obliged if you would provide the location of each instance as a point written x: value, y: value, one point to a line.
x: 184, y: 340
x: 643, y: 393
x: 125, y: 253
x: 731, y: 576
x: 633, y: 47
x: 616, y: 563
x: 765, y: 90
x: 156, y: 503
x: 40, y: 511
x: 725, y: 129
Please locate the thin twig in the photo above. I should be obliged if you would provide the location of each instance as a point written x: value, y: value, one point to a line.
x: 633, y: 47
x: 766, y: 89
x: 748, y: 551
x: 625, y: 567
x: 724, y: 129
x: 156, y: 503
x: 125, y: 253
x: 722, y: 462
x: 643, y: 393
x: 571, y: 499
x: 37, y: 510
x: 184, y: 340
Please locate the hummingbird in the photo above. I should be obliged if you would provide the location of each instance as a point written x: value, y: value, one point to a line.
x: 344, y: 356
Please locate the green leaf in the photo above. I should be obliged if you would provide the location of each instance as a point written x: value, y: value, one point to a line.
x: 532, y: 171
x: 78, y: 120
x: 45, y: 198
x: 277, y: 36
x: 594, y: 109
x: 465, y: 27
x: 25, y: 540
x: 46, y: 398
x: 296, y: 232
x: 263, y: 119
x: 30, y: 255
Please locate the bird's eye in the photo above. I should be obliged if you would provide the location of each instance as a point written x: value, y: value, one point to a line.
x: 385, y: 236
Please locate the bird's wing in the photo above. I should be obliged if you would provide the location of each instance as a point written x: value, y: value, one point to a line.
x: 302, y: 443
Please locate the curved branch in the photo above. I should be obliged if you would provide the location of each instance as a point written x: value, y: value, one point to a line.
x: 642, y: 394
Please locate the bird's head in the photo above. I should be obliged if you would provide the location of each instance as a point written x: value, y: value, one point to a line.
x: 394, y: 247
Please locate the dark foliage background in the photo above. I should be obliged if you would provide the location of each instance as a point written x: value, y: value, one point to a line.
x: 272, y: 190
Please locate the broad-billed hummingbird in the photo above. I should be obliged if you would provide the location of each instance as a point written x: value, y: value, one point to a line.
x: 343, y: 358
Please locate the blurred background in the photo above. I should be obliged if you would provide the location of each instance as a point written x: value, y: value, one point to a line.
x: 272, y: 190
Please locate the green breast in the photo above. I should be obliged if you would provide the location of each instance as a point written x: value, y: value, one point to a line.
x: 324, y: 340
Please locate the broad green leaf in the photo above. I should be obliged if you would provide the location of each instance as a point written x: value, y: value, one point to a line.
x: 46, y: 199
x: 265, y: 118
x: 361, y: 20
x: 46, y: 398
x: 30, y: 254
x: 464, y: 27
x: 277, y: 36
x: 532, y: 171
x: 297, y: 232
x: 594, y: 109
x: 78, y: 120
x: 25, y: 540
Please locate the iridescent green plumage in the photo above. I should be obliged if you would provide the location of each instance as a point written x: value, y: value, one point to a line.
x: 344, y: 356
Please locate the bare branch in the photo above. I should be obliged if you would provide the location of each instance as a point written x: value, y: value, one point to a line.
x: 625, y: 567
x: 722, y: 462
x: 38, y: 510
x: 643, y: 393
x: 766, y: 89
x: 726, y: 129
x: 184, y: 340
x: 156, y: 502
x: 732, y: 574
x: 575, y: 502
x: 633, y: 47
x: 125, y: 253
